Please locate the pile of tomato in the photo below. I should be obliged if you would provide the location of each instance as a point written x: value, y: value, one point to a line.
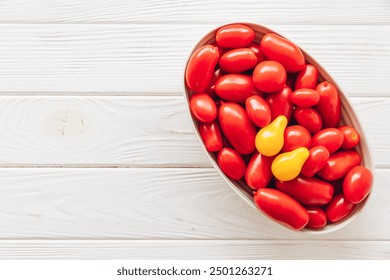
x: 270, y: 122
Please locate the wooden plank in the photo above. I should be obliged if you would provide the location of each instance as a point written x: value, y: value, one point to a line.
x: 146, y: 204
x: 122, y: 11
x: 127, y: 131
x: 183, y: 249
x: 149, y: 58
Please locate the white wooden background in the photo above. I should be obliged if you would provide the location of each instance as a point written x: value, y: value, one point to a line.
x: 97, y: 155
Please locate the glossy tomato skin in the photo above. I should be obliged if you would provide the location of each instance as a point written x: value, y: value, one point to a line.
x: 351, y: 137
x: 234, y: 36
x: 200, y: 68
x: 308, y: 118
x: 339, y: 164
x: 307, y: 77
x: 280, y: 103
x: 329, y: 105
x: 305, y: 97
x: 318, y: 156
x: 296, y: 136
x: 258, y: 110
x: 237, y: 127
x: 357, y: 184
x: 238, y: 60
x: 256, y: 49
x: 282, y: 208
x: 210, y: 90
x: 258, y: 173
x: 203, y: 107
x: 331, y: 138
x: 339, y: 208
x: 235, y: 87
x: 231, y: 163
x: 275, y: 47
x: 307, y: 191
x: 211, y: 136
x: 317, y: 217
x: 269, y: 76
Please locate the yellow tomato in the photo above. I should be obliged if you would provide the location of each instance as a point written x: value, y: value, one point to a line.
x: 270, y: 139
x: 287, y: 166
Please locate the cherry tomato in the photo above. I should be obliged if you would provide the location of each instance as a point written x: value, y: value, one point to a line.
x: 351, y: 137
x: 203, y: 108
x: 307, y: 77
x: 231, y: 163
x: 338, y: 208
x: 317, y: 217
x: 282, y: 208
x: 238, y: 60
x: 296, y: 136
x: 200, y: 68
x: 210, y: 90
x: 339, y: 164
x: 357, y: 184
x: 235, y: 87
x: 305, y: 97
x: 331, y: 138
x: 258, y: 173
x: 275, y: 47
x: 269, y: 76
x: 211, y: 136
x: 318, y: 156
x: 256, y: 49
x: 235, y: 36
x: 329, y: 105
x: 258, y: 110
x: 280, y: 103
x: 308, y: 118
x: 237, y: 127
x: 307, y: 191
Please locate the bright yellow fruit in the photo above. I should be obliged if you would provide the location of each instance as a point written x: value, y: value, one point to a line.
x: 270, y: 139
x: 287, y: 166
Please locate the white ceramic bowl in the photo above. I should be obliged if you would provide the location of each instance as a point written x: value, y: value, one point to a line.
x: 348, y: 117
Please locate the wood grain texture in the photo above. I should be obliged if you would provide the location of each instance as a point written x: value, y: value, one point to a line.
x: 150, y: 58
x: 129, y: 131
x: 153, y: 204
x: 123, y: 11
x: 181, y: 249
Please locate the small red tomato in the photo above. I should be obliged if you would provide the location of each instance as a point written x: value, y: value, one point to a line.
x: 296, y: 136
x: 269, y: 76
x: 305, y: 97
x: 307, y: 77
x: 258, y: 173
x: 339, y: 208
x: 308, y: 118
x: 238, y: 60
x: 200, y: 68
x: 203, y: 107
x: 357, y: 184
x: 331, y: 138
x: 256, y: 49
x: 235, y: 36
x: 231, y: 163
x: 210, y: 90
x: 280, y: 103
x: 258, y: 110
x: 329, y: 105
x: 307, y: 191
x: 318, y: 156
x: 237, y: 127
x: 339, y: 164
x: 211, y: 136
x: 317, y: 218
x: 351, y: 137
x: 282, y: 208
x: 275, y: 47
x: 235, y: 87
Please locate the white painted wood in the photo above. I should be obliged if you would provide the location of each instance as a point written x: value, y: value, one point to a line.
x: 150, y: 58
x: 153, y: 204
x: 124, y: 11
x: 128, y: 131
x: 183, y: 249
